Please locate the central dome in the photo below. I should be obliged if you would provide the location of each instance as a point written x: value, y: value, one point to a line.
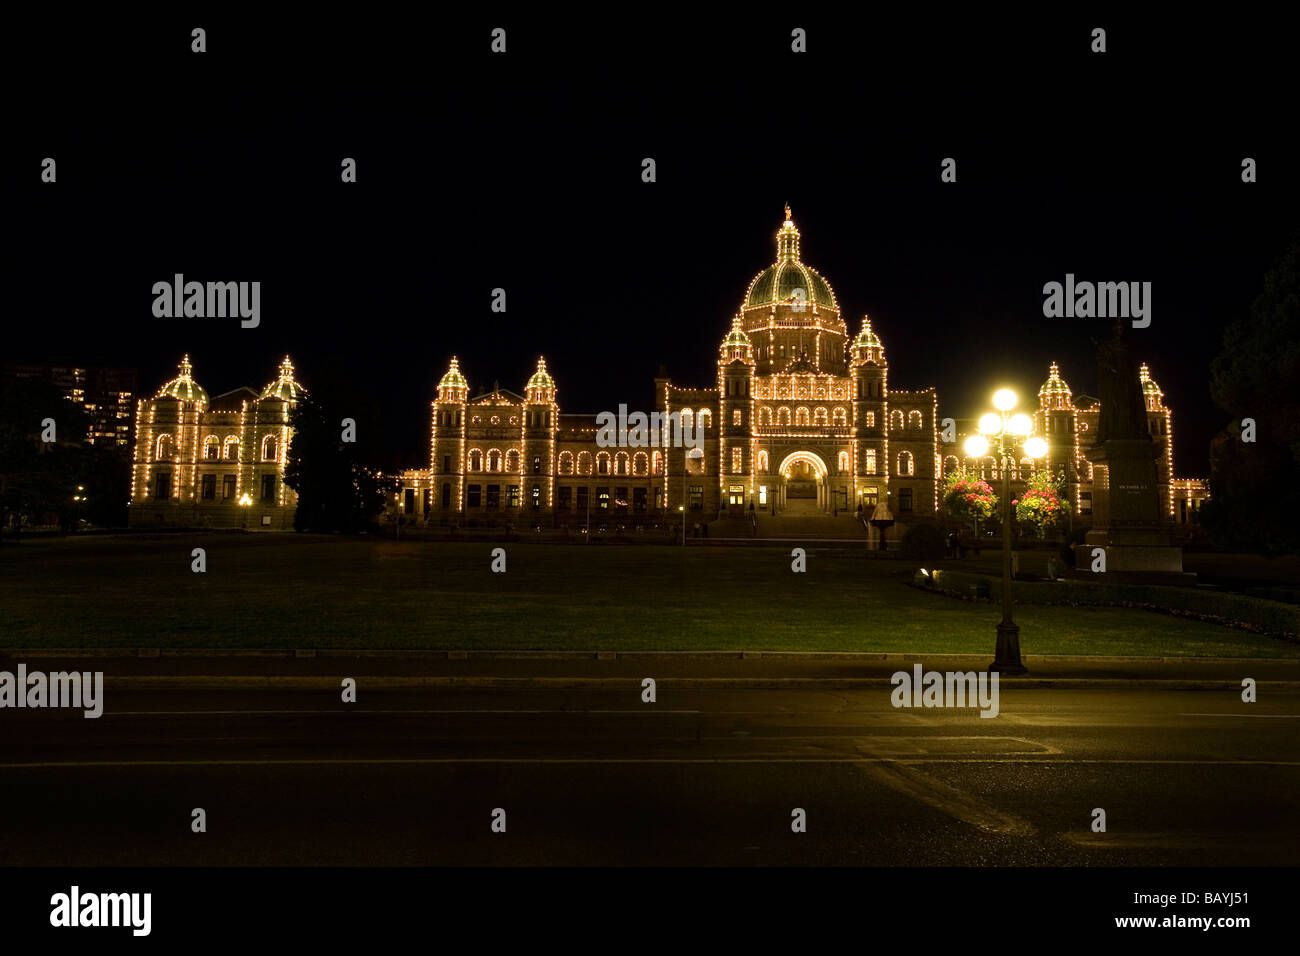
x: 788, y: 281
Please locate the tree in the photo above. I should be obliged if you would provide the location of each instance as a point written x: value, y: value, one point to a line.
x: 1256, y: 375
x: 969, y: 497
x: 1042, y: 507
x: 38, y: 479
x: 336, y: 491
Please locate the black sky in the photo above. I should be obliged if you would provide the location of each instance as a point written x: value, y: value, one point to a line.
x: 523, y: 172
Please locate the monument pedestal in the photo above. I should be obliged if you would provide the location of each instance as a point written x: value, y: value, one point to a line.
x: 1127, y: 520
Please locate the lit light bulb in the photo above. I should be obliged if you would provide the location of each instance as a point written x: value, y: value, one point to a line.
x: 1020, y: 424
x: 990, y: 424
x: 976, y: 446
x: 1004, y: 399
x: 1036, y: 447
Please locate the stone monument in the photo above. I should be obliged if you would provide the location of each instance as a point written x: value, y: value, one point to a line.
x: 1127, y: 521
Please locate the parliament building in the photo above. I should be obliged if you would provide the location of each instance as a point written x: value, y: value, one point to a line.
x: 802, y: 419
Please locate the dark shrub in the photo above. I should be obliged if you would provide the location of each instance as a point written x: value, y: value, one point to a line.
x: 923, y: 541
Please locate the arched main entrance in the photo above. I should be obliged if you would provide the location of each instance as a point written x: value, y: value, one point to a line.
x: 803, y: 483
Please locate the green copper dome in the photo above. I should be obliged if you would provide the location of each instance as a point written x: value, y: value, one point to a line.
x: 453, y: 378
x: 285, y: 388
x: 867, y: 339
x: 541, y: 378
x: 183, y: 387
x: 780, y: 282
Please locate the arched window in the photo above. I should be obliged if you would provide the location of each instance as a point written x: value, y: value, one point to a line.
x: 840, y: 417
x: 801, y: 416
x: 765, y: 415
x: 705, y: 418
x: 584, y: 463
x: 988, y: 467
x: 620, y: 463
x: 762, y: 461
x: 476, y: 460
x: 211, y: 448
x: 640, y: 464
x: 843, y: 463
x: 231, y: 451
x: 783, y: 415
x: 950, y: 464
x: 512, y: 460
x: 269, y: 447
x: 494, y: 460
x: 820, y: 415
x: 688, y: 420
x: 915, y: 419
x: 896, y: 420
x: 871, y: 419
x: 566, y: 462
x: 905, y: 463
x: 657, y: 463
x: 166, y: 448
x: 602, y: 463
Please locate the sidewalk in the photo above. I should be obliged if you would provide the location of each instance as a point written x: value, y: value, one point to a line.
x: 154, y: 668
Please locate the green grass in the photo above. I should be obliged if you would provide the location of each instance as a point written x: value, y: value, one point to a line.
x: 282, y: 591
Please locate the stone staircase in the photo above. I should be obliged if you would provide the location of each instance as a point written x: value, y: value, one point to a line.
x: 800, y: 526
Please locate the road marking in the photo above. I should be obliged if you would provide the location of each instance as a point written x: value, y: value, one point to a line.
x: 1164, y: 841
x: 847, y: 758
x: 263, y: 713
x: 1273, y: 716
x: 915, y: 783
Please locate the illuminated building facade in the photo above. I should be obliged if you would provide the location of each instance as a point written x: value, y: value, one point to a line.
x: 802, y: 418
x: 107, y: 395
x: 216, y: 462
x: 1069, y: 425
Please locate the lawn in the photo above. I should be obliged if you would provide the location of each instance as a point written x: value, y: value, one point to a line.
x: 281, y: 591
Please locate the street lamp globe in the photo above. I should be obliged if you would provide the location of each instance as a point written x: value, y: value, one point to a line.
x: 1036, y: 447
x: 990, y: 424
x: 1020, y: 424
x: 976, y: 446
x: 1004, y: 399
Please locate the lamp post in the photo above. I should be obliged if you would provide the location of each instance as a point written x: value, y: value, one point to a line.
x: 1007, y: 431
x: 682, y: 509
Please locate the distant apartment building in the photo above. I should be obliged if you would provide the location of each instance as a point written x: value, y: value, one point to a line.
x: 107, y: 394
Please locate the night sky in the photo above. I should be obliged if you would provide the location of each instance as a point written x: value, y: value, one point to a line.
x: 523, y: 172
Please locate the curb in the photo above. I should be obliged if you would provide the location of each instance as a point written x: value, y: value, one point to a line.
x: 460, y: 655
x: 698, y: 683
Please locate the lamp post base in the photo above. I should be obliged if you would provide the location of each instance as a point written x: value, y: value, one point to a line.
x: 1008, y: 651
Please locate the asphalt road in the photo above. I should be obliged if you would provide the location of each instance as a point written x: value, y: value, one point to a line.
x: 591, y: 775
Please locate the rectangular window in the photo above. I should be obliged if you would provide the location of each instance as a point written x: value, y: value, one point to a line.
x: 736, y: 417
x: 162, y: 487
x: 209, y: 487
x: 602, y: 499
x: 620, y: 500
x: 537, y: 465
x: 493, y: 497
x: 227, y: 487
x: 1085, y: 502
x: 870, y: 464
x: 639, y: 500
x: 473, y: 495
x: 697, y: 498
x: 870, y: 496
x: 408, y: 501
x: 566, y: 499
x: 736, y: 495
x: 268, y: 487
x: 737, y: 457
x: 584, y: 499
x: 659, y: 499
x: 536, y: 496
x: 446, y: 464
x: 446, y: 496
x: 904, y: 499
x: 512, y: 496
x: 762, y: 495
